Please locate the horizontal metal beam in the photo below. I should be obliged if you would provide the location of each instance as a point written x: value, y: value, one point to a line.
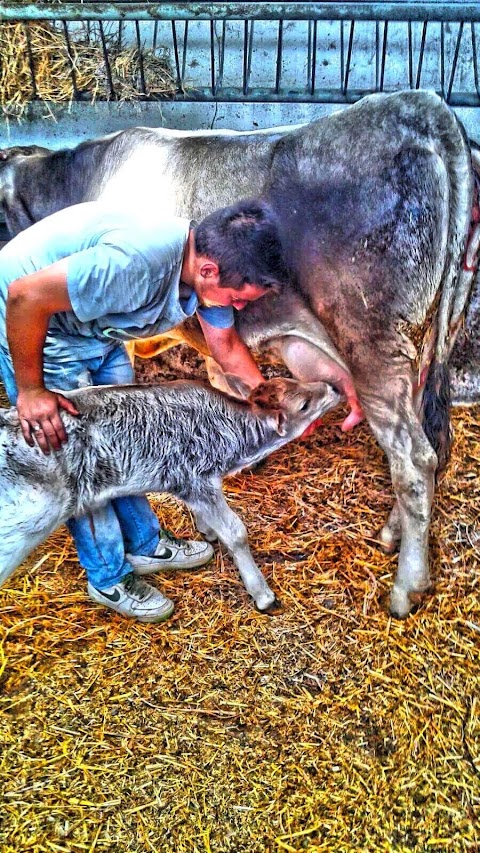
x: 320, y: 96
x: 395, y: 10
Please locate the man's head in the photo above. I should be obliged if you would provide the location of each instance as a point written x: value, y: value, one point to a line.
x: 238, y: 254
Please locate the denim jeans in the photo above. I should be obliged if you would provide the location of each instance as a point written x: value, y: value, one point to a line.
x: 123, y: 525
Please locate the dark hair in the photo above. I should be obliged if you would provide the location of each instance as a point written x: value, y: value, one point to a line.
x: 244, y: 242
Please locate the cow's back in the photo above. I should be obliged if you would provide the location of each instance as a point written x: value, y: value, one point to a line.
x: 186, y: 174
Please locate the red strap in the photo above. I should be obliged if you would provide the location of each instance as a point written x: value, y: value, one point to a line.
x: 473, y: 223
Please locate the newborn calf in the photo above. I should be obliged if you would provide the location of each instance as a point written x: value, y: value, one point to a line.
x: 181, y: 437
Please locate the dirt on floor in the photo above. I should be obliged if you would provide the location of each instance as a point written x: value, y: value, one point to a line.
x: 325, y: 727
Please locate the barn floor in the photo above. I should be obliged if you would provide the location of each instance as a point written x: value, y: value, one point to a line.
x: 326, y: 727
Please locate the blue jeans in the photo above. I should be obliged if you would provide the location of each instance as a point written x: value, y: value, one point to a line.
x: 123, y: 525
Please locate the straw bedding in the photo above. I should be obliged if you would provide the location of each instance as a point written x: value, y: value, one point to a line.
x: 326, y: 727
x: 60, y: 68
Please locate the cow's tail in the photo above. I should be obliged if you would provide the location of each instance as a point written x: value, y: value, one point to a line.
x: 459, y: 272
x: 436, y: 412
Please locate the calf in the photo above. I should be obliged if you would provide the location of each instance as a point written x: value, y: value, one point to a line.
x: 182, y: 438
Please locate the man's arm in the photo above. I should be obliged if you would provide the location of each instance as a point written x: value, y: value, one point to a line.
x: 231, y: 353
x: 31, y: 301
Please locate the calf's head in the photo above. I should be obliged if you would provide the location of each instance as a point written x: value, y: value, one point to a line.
x: 292, y: 405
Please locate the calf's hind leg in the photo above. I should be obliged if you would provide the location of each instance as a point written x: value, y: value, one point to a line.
x: 212, y: 513
x: 28, y: 516
x: 391, y: 414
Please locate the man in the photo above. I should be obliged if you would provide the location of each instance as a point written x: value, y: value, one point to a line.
x: 76, y: 285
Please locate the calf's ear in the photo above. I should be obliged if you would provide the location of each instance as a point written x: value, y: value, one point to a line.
x: 237, y: 387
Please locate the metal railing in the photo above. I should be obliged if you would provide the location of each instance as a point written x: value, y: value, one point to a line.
x: 274, y: 51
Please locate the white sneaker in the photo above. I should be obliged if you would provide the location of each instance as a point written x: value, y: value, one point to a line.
x: 133, y: 597
x: 172, y: 553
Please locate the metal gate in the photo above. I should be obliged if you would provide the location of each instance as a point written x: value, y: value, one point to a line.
x: 259, y: 52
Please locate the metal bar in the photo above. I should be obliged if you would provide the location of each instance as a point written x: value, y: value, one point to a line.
x: 106, y: 59
x: 342, y: 56
x: 455, y: 61
x: 321, y: 96
x: 313, y: 65
x: 177, y: 58
x: 212, y: 56
x: 143, y: 85
x: 247, y: 54
x: 221, y: 58
x: 349, y: 57
x: 415, y: 10
x: 442, y: 59
x: 410, y: 55
x: 31, y: 63
x: 421, y: 55
x: 278, y: 69
x: 384, y: 54
x: 184, y: 51
x: 70, y: 59
x: 475, y: 61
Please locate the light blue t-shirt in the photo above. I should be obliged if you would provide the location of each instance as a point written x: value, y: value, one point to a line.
x: 123, y: 277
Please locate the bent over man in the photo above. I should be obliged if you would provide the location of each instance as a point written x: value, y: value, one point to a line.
x: 77, y: 285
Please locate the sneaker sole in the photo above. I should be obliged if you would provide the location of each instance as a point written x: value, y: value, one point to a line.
x: 150, y: 620
x: 167, y: 567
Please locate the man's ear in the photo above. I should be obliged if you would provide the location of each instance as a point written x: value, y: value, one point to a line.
x: 209, y: 269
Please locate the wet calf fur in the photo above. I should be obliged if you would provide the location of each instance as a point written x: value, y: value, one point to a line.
x: 182, y: 438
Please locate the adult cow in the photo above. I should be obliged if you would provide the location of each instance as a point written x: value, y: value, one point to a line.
x: 376, y: 206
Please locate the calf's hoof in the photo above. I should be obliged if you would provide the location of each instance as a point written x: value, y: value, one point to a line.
x: 403, y: 601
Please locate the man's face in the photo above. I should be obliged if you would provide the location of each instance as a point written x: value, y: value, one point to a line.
x: 211, y: 294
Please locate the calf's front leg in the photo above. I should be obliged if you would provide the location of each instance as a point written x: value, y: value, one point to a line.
x: 214, y: 514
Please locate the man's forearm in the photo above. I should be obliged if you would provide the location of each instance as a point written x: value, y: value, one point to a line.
x: 239, y: 361
x: 26, y: 333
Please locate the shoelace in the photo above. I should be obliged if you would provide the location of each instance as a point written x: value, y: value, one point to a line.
x: 136, y: 586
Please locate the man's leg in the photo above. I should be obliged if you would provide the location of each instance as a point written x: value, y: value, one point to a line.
x: 98, y: 536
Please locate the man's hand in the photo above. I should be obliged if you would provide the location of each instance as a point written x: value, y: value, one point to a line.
x: 39, y: 415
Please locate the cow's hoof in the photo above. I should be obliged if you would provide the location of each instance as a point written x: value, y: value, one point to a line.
x: 273, y: 609
x: 389, y: 541
x: 265, y: 601
x: 403, y: 602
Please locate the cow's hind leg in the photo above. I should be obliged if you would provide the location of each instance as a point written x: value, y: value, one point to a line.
x: 213, y: 513
x: 391, y: 533
x: 395, y: 423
